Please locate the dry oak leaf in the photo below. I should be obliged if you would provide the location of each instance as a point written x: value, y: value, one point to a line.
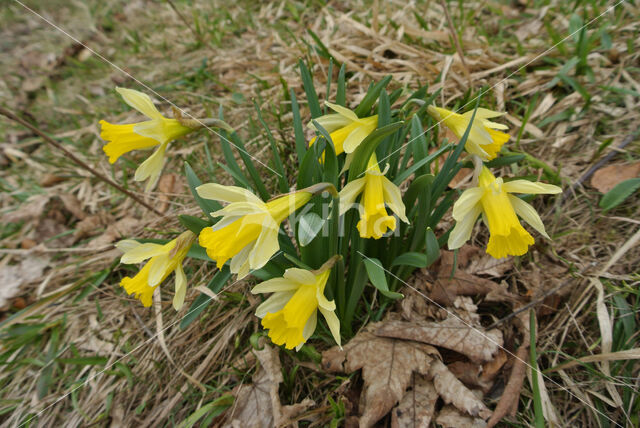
x: 258, y: 405
x: 417, y: 407
x: 386, y: 364
x: 606, y: 178
x: 450, y: 417
x: 120, y: 229
x: 454, y: 334
x: 454, y: 392
x: 13, y: 277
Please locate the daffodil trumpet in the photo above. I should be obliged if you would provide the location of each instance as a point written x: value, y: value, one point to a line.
x: 290, y: 314
x: 493, y: 199
x: 377, y: 191
x: 164, y: 259
x: 158, y: 132
x: 484, y: 140
x: 247, y: 233
x: 345, y: 128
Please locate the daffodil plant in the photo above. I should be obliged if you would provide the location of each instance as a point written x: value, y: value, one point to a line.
x: 358, y: 207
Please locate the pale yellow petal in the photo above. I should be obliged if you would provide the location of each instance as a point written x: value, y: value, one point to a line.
x: 127, y: 245
x: 275, y: 285
x: 349, y: 193
x: 393, y: 199
x: 158, y: 269
x: 142, y: 252
x: 463, y: 228
x: 526, y: 186
x: 239, y: 209
x: 140, y: 102
x: 152, y: 167
x: 218, y: 192
x: 266, y: 246
x: 466, y: 202
x: 274, y: 303
x: 343, y: 111
x: 528, y: 214
x: 334, y: 324
x: 331, y: 122
x: 299, y: 276
x: 181, y: 288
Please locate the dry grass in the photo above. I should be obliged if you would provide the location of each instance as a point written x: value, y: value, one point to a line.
x: 249, y: 49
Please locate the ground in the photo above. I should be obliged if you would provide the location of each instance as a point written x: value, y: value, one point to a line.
x: 576, y: 91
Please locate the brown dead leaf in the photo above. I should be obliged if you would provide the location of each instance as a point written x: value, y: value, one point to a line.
x: 508, y: 403
x: 72, y: 204
x: 167, y: 185
x: 90, y: 225
x: 13, y: 277
x: 121, y: 229
x: 386, y: 364
x: 454, y: 392
x: 477, y: 345
x: 418, y: 405
x: 493, y: 367
x: 450, y: 417
x: 606, y: 178
x: 258, y: 405
x: 470, y: 374
x: 31, y: 210
x: 51, y: 179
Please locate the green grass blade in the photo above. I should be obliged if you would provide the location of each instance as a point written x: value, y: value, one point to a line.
x: 310, y: 90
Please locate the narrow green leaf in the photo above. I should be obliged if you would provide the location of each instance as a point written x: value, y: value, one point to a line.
x: 411, y: 258
x: 503, y: 161
x: 367, y: 147
x: 277, y: 161
x: 251, y: 169
x: 212, y: 409
x: 341, y: 91
x: 192, y: 223
x: 308, y: 227
x: 378, y: 279
x: 202, y: 301
x: 310, y: 90
x: 206, y: 205
x: 84, y: 361
x: 432, y: 248
x: 370, y: 98
x: 199, y: 253
x: 301, y: 144
x: 619, y: 193
x: 419, y: 164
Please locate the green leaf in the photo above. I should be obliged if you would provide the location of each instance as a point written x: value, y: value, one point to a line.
x: 199, y: 253
x: 618, y: 194
x: 310, y: 90
x: 202, y: 301
x: 84, y: 361
x: 432, y: 247
x: 212, y: 409
x: 308, y: 227
x: 364, y: 151
x: 411, y: 258
x: 503, y: 161
x: 206, y: 205
x: 372, y: 95
x: 301, y: 144
x: 192, y: 223
x: 340, y: 93
x: 377, y: 277
x: 251, y: 169
x: 416, y: 188
x: 277, y: 161
x: 310, y: 171
x: 417, y: 165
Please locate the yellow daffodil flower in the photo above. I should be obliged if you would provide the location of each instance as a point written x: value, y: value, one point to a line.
x: 377, y: 190
x: 483, y: 141
x: 345, y: 128
x: 492, y: 198
x: 248, y: 231
x: 158, y: 131
x: 290, y: 314
x: 165, y: 259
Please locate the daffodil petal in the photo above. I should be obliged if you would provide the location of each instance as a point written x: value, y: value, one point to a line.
x: 528, y: 214
x: 274, y: 303
x: 239, y: 209
x: 239, y: 262
x: 330, y: 122
x: 218, y: 192
x: 300, y: 276
x: 266, y: 246
x: 467, y: 201
x: 274, y: 285
x: 139, y: 101
x: 349, y: 193
x: 334, y: 324
x: 158, y: 269
x: 152, y: 167
x: 142, y: 252
x: 181, y: 288
x: 325, y: 303
x: 485, y: 113
x: 393, y: 198
x: 343, y: 111
x: 526, y: 186
x: 127, y: 245
x: 356, y: 137
x: 463, y: 228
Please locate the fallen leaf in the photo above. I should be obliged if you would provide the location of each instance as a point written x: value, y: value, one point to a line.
x: 484, y: 264
x: 51, y: 179
x: 454, y: 392
x: 72, y: 204
x: 167, y: 185
x: 450, y: 417
x: 508, y: 403
x: 13, y: 277
x: 491, y: 368
x: 606, y: 178
x: 31, y: 210
x: 417, y: 407
x: 258, y: 405
x: 470, y: 374
x: 452, y: 333
x: 120, y: 229
x: 386, y: 364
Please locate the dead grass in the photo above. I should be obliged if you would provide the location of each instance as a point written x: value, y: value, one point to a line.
x: 251, y: 49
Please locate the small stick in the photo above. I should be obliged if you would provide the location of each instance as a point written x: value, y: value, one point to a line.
x: 75, y: 159
x: 452, y: 28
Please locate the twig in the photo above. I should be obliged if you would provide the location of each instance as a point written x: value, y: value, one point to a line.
x: 597, y: 166
x: 75, y: 159
x: 454, y: 35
